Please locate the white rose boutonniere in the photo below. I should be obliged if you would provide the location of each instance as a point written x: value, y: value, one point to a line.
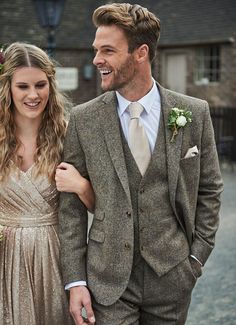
x: 178, y: 118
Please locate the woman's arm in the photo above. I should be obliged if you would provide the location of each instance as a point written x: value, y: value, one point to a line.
x: 68, y: 179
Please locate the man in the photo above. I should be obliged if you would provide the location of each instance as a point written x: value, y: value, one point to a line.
x: 156, y: 214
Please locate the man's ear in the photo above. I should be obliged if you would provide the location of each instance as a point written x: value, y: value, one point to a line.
x: 142, y: 53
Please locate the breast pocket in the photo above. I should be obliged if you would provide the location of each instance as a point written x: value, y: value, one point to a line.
x: 190, y: 162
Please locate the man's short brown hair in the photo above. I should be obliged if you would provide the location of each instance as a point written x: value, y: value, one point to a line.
x: 139, y: 25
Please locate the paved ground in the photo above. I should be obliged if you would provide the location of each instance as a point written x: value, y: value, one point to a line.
x: 214, y: 297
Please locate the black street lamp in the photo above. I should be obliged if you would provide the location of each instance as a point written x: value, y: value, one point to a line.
x: 49, y: 14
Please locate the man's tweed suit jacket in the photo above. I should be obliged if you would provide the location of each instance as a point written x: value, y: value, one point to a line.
x: 93, y: 145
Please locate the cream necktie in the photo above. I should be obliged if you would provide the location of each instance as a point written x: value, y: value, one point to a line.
x: 138, y: 140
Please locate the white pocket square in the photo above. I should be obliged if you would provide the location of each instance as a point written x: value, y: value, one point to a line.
x: 191, y: 152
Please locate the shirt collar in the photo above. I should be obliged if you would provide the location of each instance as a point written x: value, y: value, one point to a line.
x: 146, y: 101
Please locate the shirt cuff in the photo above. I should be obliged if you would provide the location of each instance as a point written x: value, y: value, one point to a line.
x: 196, y: 259
x: 75, y: 284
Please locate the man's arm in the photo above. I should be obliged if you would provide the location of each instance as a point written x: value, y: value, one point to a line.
x: 210, y: 188
x: 73, y: 220
x: 73, y: 216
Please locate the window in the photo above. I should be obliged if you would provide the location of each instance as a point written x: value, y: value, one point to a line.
x: 207, y: 65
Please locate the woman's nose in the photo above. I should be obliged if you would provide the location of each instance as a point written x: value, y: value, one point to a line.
x: 33, y: 93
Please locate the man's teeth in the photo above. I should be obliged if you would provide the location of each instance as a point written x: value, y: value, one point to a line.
x: 105, y: 71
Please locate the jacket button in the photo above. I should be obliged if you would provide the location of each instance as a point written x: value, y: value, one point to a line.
x: 128, y: 213
x: 127, y: 246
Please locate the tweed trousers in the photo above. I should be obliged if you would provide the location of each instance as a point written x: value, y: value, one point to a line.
x: 151, y: 300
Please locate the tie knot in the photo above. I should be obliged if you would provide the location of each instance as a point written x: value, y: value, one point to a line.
x: 135, y: 110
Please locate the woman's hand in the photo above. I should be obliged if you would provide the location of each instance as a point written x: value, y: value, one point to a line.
x: 68, y: 179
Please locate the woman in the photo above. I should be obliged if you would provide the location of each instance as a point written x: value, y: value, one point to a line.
x: 32, y: 129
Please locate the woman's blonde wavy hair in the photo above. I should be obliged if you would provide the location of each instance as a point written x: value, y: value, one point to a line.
x: 53, y: 126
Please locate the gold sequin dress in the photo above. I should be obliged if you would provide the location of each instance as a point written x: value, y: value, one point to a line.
x: 31, y: 290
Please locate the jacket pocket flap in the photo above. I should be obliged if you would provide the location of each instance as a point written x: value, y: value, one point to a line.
x: 99, y: 215
x: 97, y: 235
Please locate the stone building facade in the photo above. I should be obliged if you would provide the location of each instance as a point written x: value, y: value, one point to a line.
x: 186, y: 27
x: 196, y: 53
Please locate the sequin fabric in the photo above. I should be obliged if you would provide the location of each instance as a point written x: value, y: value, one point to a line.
x: 31, y: 290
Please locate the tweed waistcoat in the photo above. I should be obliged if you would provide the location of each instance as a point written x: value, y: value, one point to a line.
x: 137, y: 185
x: 134, y: 178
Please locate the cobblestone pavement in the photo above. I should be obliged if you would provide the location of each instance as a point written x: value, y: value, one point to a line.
x: 214, y: 297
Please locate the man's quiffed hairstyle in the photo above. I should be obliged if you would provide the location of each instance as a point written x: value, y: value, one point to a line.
x: 139, y: 25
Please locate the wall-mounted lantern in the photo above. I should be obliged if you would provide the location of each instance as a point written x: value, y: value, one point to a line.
x: 49, y: 14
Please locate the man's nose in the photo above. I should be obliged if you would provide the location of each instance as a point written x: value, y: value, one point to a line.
x: 98, y: 59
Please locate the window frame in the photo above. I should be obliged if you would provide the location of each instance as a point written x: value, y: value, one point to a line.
x: 208, y: 65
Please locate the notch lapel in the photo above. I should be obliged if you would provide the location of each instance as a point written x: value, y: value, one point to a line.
x: 109, y: 120
x: 173, y: 149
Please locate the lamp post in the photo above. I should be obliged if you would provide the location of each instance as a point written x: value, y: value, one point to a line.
x: 49, y: 14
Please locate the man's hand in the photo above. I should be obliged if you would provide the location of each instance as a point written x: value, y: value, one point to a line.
x: 196, y: 267
x: 79, y: 298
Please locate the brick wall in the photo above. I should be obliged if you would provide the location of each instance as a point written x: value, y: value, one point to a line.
x: 87, y: 88
x: 222, y: 93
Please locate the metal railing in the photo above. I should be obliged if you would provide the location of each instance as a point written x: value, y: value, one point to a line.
x: 224, y: 123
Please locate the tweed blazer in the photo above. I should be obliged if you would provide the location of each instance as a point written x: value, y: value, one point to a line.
x: 93, y: 145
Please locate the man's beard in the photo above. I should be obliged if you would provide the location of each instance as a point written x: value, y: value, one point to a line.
x: 122, y: 77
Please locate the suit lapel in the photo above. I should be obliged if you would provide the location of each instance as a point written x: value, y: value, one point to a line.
x: 173, y: 149
x: 109, y: 121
